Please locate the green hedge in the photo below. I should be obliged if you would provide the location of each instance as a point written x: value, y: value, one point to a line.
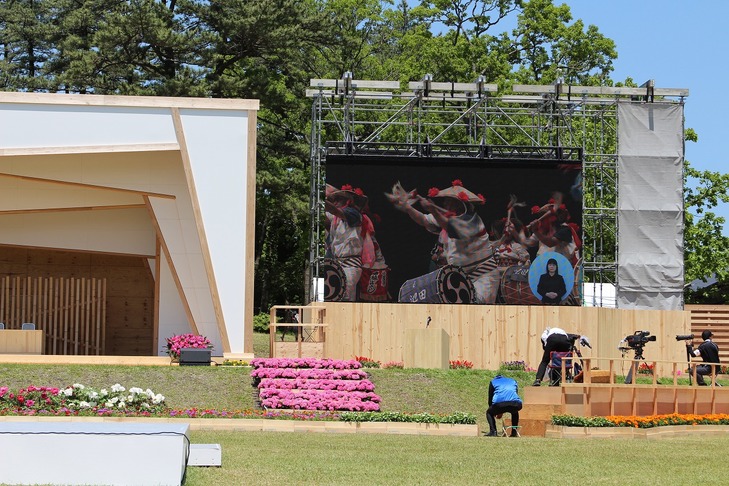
x: 424, y: 418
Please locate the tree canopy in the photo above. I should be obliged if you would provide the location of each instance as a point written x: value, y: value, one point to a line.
x: 269, y: 49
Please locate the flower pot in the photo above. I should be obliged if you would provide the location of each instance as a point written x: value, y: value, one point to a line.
x: 195, y: 357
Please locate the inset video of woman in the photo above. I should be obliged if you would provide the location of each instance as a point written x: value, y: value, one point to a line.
x: 546, y: 280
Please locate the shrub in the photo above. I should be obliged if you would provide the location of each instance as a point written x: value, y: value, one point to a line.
x: 394, y: 364
x: 513, y: 366
x: 367, y: 362
x: 423, y: 418
x: 44, y: 400
x: 460, y: 364
x: 235, y: 362
x: 261, y: 322
x: 645, y: 369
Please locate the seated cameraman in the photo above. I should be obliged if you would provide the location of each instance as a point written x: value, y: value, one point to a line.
x: 709, y: 352
x: 553, y: 339
x: 503, y: 398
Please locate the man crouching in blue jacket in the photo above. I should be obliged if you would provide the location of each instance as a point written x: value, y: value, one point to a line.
x: 503, y: 398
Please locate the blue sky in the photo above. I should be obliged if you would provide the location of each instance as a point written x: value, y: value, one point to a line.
x: 679, y: 44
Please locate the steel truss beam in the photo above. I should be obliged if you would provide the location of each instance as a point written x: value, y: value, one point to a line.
x: 466, y: 121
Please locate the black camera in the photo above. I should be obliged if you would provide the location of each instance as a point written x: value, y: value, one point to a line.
x: 639, y: 339
x: 684, y: 337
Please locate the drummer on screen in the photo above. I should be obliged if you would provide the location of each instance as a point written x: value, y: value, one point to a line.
x: 465, y: 240
x: 348, y: 230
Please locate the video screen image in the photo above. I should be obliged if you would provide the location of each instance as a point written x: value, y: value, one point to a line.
x: 417, y: 230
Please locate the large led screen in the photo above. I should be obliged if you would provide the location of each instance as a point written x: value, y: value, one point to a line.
x: 417, y: 230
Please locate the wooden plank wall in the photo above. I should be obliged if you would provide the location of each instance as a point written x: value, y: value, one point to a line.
x: 129, y: 290
x: 714, y: 318
x: 489, y: 335
x: 70, y: 311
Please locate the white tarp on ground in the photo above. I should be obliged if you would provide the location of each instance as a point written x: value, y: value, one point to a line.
x: 650, y: 206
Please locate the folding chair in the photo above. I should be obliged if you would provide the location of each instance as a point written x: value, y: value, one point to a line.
x: 508, y: 428
x: 555, y: 367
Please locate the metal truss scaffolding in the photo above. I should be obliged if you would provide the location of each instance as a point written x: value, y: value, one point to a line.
x: 470, y: 121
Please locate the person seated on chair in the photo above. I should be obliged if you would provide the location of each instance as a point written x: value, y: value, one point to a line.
x: 709, y: 352
x: 553, y: 339
x: 503, y: 398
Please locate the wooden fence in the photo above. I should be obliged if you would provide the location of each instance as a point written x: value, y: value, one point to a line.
x: 716, y: 319
x: 488, y: 335
x: 70, y: 311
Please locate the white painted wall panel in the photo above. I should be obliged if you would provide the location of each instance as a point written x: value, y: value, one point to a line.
x: 112, y: 231
x: 187, y: 261
x: 172, y: 315
x: 24, y: 126
x: 217, y: 145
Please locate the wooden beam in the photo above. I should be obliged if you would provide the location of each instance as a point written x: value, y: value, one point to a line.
x: 78, y: 208
x: 88, y: 186
x: 127, y: 101
x: 89, y: 149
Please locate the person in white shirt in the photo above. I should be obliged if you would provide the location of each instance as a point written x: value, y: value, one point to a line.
x: 553, y: 339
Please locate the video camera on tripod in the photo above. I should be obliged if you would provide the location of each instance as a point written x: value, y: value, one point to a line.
x: 636, y: 342
x: 639, y: 339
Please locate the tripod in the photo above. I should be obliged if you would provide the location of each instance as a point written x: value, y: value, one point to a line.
x: 689, y: 353
x: 633, y: 365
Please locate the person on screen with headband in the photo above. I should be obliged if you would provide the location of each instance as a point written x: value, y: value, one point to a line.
x: 552, y: 231
x: 509, y: 251
x: 347, y: 228
x: 450, y: 213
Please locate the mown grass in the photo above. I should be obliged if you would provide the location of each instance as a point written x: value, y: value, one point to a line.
x: 322, y: 459
x: 318, y: 459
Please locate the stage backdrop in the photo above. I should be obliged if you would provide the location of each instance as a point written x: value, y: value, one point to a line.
x: 650, y: 206
x: 407, y: 247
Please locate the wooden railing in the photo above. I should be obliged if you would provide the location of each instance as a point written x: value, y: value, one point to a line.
x: 615, y: 397
x: 70, y: 311
x: 308, y: 327
x: 618, y: 397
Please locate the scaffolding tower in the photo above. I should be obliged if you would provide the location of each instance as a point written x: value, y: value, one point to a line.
x: 472, y: 121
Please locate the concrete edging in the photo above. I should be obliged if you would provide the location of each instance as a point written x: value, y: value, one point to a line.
x: 662, y: 432
x: 268, y: 425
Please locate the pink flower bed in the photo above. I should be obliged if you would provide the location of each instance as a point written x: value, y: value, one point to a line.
x: 319, y: 400
x: 313, y: 384
x: 306, y: 384
x: 309, y: 374
x: 334, y: 364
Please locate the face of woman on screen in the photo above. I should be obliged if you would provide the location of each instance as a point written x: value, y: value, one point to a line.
x: 551, y: 268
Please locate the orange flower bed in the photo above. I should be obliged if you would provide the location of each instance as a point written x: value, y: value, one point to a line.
x: 643, y: 422
x: 670, y: 419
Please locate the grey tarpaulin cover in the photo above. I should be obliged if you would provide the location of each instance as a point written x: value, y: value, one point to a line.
x: 650, y: 206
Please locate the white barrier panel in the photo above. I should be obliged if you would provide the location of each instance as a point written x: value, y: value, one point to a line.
x: 93, y: 453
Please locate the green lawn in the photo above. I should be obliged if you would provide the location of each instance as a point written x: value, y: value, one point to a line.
x: 286, y: 458
x: 340, y: 459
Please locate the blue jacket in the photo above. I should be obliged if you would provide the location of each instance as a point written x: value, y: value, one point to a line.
x: 502, y: 389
